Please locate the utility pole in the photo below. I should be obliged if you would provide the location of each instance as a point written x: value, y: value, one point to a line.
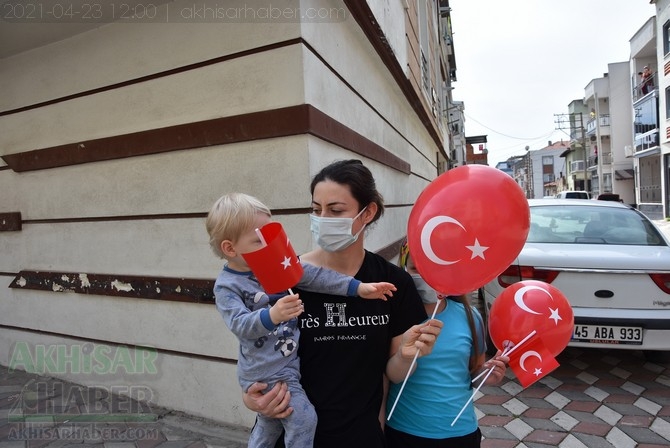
x: 529, y: 175
x: 600, y: 148
x: 569, y: 122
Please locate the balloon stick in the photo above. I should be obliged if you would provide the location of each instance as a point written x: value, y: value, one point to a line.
x: 505, y: 352
x: 416, y: 355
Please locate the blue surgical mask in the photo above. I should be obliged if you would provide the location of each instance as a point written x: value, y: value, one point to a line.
x: 428, y: 294
x: 333, y: 234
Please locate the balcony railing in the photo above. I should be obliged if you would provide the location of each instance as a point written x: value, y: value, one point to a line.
x: 593, y: 160
x: 644, y: 87
x: 646, y: 141
x: 602, y: 121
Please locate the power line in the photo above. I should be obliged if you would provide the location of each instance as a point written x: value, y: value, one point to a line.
x: 505, y: 135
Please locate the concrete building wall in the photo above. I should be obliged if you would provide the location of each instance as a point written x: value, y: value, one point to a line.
x: 116, y: 141
x: 663, y: 61
x: 621, y: 130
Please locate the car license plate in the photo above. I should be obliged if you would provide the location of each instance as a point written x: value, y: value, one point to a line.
x: 607, y: 334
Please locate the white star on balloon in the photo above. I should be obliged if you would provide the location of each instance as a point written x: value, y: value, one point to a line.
x: 477, y: 250
x: 286, y: 262
x: 537, y: 372
x: 555, y: 316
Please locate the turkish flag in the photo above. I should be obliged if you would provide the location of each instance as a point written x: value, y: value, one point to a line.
x: 276, y: 266
x: 532, y: 361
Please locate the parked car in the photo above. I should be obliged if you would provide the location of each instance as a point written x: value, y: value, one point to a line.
x: 609, y: 260
x: 573, y: 195
x: 609, y: 197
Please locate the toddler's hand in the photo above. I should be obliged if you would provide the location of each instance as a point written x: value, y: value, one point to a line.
x: 376, y: 290
x: 286, y: 308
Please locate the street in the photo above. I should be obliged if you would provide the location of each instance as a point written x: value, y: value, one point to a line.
x: 595, y: 398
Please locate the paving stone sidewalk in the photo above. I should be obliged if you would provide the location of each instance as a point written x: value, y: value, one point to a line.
x: 46, y: 412
x: 595, y: 399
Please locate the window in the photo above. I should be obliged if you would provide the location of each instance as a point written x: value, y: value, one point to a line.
x: 424, y: 46
x: 646, y: 116
x: 666, y: 37
x: 547, y: 160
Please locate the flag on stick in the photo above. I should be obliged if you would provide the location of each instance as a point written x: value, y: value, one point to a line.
x: 532, y: 362
x: 276, y: 266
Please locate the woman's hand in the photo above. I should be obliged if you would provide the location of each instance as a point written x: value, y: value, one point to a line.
x: 418, y: 339
x: 499, y: 365
x: 273, y: 404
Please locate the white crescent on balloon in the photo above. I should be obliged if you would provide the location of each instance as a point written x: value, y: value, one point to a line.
x: 518, y: 297
x: 427, y: 232
x: 527, y: 355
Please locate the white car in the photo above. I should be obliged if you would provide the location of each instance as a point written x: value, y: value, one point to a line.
x: 611, y: 263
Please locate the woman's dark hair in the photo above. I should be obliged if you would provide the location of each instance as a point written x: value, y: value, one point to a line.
x: 463, y: 299
x: 357, y: 177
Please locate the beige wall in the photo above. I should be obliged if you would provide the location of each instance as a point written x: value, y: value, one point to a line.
x: 143, y: 216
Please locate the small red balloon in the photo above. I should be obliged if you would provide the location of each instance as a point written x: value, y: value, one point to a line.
x: 466, y: 227
x: 528, y: 306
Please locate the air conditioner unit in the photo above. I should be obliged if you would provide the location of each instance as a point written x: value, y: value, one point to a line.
x: 577, y: 165
x: 628, y: 150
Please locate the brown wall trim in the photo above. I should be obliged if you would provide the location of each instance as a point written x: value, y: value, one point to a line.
x: 275, y: 212
x: 363, y: 15
x: 138, y: 347
x: 160, y: 288
x: 10, y: 222
x: 157, y: 75
x: 283, y: 122
x: 156, y: 288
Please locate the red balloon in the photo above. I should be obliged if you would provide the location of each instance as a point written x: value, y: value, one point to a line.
x: 467, y: 226
x: 531, y: 305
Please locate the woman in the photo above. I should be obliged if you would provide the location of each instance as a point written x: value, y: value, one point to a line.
x: 426, y: 414
x: 348, y: 344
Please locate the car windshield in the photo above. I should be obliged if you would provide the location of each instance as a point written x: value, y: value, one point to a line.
x: 591, y: 225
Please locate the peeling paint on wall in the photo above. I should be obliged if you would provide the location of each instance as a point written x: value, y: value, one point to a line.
x: 158, y: 288
x: 121, y: 286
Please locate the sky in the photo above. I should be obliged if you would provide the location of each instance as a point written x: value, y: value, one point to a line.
x: 521, y: 62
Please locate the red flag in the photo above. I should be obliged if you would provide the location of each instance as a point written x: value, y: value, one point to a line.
x: 532, y: 361
x: 276, y: 265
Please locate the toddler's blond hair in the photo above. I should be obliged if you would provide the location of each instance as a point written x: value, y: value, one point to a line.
x: 230, y: 216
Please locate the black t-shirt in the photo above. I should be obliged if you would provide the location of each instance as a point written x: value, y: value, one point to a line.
x: 344, y: 347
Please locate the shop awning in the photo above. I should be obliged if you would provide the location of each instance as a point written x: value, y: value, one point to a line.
x: 623, y: 174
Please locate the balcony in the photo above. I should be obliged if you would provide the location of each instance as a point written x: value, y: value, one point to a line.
x: 647, y: 141
x: 603, y: 122
x: 593, y: 161
x: 645, y: 87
